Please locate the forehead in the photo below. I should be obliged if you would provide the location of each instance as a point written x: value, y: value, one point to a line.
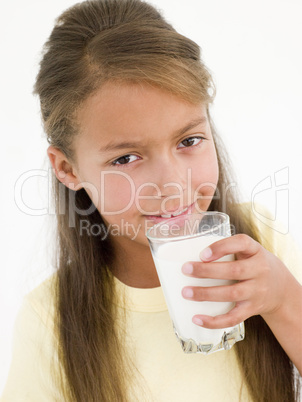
x: 134, y: 112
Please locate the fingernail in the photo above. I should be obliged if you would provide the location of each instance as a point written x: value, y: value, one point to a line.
x: 197, y: 320
x: 187, y: 268
x: 206, y: 254
x: 187, y: 292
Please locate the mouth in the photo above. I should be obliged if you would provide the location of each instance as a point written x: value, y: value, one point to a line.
x: 159, y: 218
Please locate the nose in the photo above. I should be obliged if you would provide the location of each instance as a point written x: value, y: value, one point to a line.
x: 169, y: 177
x: 166, y: 184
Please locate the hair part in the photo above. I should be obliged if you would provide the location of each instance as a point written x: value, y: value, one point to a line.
x: 119, y: 41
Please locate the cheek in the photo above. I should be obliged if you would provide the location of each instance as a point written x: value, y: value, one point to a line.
x: 205, y: 172
x: 205, y: 175
x: 117, y: 193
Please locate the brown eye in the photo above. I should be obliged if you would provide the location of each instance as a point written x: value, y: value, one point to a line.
x: 124, y: 160
x: 191, y: 141
x: 188, y: 142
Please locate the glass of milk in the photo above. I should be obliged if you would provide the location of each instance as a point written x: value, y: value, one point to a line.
x: 174, y: 242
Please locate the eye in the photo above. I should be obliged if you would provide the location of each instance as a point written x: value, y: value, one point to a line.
x: 191, y: 141
x: 124, y: 160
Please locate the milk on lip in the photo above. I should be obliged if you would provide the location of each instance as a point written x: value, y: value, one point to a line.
x: 169, y: 259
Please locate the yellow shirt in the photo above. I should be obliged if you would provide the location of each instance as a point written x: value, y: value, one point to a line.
x: 166, y: 372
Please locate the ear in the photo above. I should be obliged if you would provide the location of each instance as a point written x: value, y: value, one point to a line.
x: 63, y: 169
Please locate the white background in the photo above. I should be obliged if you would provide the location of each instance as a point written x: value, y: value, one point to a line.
x: 253, y: 49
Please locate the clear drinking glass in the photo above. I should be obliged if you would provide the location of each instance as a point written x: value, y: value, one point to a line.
x: 174, y: 242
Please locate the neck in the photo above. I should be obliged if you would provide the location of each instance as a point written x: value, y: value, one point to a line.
x: 134, y: 264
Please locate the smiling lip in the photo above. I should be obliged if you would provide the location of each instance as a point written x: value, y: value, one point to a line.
x: 171, y: 214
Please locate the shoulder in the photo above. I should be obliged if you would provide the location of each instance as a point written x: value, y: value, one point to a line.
x: 44, y: 289
x: 34, y: 355
x: 275, y: 237
x: 39, y: 304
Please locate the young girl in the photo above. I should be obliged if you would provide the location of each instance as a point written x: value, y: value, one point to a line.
x: 125, y: 103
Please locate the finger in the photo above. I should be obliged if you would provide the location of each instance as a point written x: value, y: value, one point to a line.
x: 231, y: 270
x: 226, y: 293
x: 241, y: 245
x: 234, y: 317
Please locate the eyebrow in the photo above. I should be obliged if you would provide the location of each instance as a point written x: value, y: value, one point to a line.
x: 131, y: 144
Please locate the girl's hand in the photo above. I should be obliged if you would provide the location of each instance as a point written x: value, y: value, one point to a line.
x: 261, y: 276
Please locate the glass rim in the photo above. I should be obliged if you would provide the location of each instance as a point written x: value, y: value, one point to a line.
x: 185, y: 217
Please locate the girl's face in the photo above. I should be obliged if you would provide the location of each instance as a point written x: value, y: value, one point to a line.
x: 142, y: 152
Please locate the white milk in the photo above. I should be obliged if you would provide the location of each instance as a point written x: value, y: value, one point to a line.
x: 169, y: 260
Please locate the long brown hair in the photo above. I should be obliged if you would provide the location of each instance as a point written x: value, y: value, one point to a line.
x: 126, y: 41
